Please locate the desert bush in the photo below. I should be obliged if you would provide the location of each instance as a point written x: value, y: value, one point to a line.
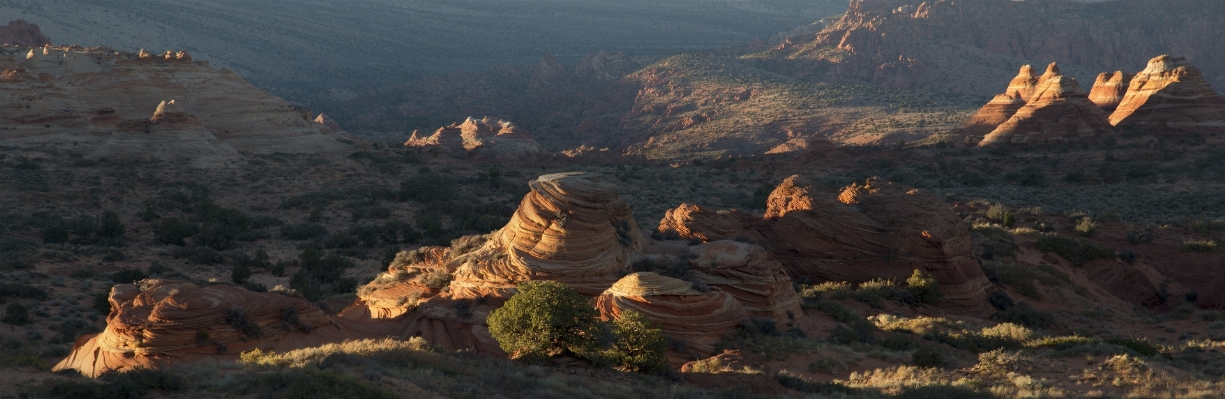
x: 303, y: 231
x: 426, y: 188
x: 1060, y: 343
x: 436, y: 279
x: 1024, y: 315
x: 16, y: 314
x: 639, y: 345
x: 237, y: 318
x: 829, y: 365
x: 23, y: 291
x: 172, y: 231
x: 240, y: 273
x: 998, y: 362
x: 924, y: 287
x: 320, y: 276
x: 129, y: 384
x: 1075, y: 250
x: 1086, y: 226
x: 1000, y: 300
x: 928, y: 357
x: 546, y: 319
x: 997, y: 212
x: 838, y: 311
x: 54, y: 235
x: 111, y: 227
x: 1139, y: 345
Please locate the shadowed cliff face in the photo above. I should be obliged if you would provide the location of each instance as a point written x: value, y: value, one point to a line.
x: 948, y: 45
x: 22, y: 33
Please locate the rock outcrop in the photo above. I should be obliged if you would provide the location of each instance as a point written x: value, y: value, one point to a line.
x: 1058, y: 112
x: 1003, y: 106
x: 699, y: 319
x: 54, y: 93
x: 157, y: 322
x: 24, y: 34
x: 1109, y: 89
x: 481, y: 137
x: 751, y: 275
x: 1170, y: 95
x: 865, y: 232
x: 549, y: 72
x: 171, y: 135
x: 571, y: 227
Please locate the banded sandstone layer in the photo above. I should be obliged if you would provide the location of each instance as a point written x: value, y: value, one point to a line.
x: 480, y: 137
x: 1059, y: 111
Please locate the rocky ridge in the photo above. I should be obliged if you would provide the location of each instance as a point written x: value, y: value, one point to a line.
x: 480, y: 137
x: 24, y: 34
x: 1059, y: 111
x: 1170, y: 95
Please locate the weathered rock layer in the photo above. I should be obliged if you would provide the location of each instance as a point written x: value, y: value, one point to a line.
x: 483, y: 137
x: 1171, y: 95
x: 1059, y: 111
x: 699, y: 319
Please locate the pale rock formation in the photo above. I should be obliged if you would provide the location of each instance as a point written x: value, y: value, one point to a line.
x: 868, y: 231
x: 1171, y: 95
x: 1109, y: 89
x: 1059, y: 111
x: 751, y: 275
x: 699, y: 319
x: 158, y: 322
x: 481, y: 137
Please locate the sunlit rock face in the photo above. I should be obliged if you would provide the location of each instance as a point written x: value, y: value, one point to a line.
x: 699, y: 319
x: 1059, y: 111
x: 1170, y: 95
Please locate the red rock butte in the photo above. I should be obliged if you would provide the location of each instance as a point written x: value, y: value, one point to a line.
x: 1059, y: 111
x: 482, y: 137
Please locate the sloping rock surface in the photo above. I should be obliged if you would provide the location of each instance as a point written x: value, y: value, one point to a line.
x: 483, y: 137
x: 22, y: 33
x: 1003, y: 106
x: 751, y: 275
x: 1109, y: 89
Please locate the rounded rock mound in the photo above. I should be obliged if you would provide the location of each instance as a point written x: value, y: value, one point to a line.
x: 699, y: 319
x: 156, y: 322
x: 751, y: 275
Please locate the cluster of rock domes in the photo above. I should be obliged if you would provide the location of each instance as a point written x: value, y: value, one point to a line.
x: 573, y: 228
x: 1170, y: 95
x: 483, y: 137
x: 98, y: 98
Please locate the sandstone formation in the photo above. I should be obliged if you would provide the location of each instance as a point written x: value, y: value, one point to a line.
x: 22, y: 33
x: 699, y: 319
x: 1109, y: 89
x: 53, y: 95
x: 1170, y: 95
x: 571, y: 227
x: 868, y: 231
x: 809, y: 146
x: 482, y: 137
x: 604, y: 66
x: 1003, y: 106
x: 751, y: 275
x: 156, y: 322
x: 1059, y: 111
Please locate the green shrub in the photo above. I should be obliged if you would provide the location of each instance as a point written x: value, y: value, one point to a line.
x: 828, y: 365
x: 997, y: 212
x: 838, y: 311
x: 172, y: 231
x: 924, y: 287
x: 303, y: 231
x: 1075, y: 250
x: 111, y: 227
x: 54, y: 235
x: 102, y: 302
x: 23, y: 291
x: 1024, y: 315
x: 545, y: 319
x: 16, y: 314
x: 130, y: 384
x: 927, y: 357
x: 239, y: 274
x: 1139, y: 345
x: 1202, y: 246
x: 426, y: 188
x: 640, y: 344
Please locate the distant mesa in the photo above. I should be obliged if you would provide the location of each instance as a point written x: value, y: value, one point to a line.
x: 24, y: 34
x: 867, y: 231
x: 481, y: 137
x: 1059, y: 111
x: 1171, y: 95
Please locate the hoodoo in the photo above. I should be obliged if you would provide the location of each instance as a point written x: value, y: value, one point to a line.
x: 1170, y: 94
x: 1109, y: 89
x: 1003, y: 106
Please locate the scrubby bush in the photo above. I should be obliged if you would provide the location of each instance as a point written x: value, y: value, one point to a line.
x: 54, y: 235
x: 320, y: 276
x: 16, y: 314
x: 240, y: 273
x: 828, y: 365
x: 927, y: 357
x: 1086, y: 226
x: 1000, y: 300
x: 924, y: 287
x: 172, y: 231
x: 546, y: 319
x: 1024, y: 315
x: 128, y: 276
x: 303, y: 231
x: 1075, y: 250
x: 640, y: 344
x: 1202, y: 246
x: 426, y: 188
x: 111, y: 227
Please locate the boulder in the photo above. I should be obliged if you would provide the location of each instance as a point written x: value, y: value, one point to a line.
x: 1170, y: 95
